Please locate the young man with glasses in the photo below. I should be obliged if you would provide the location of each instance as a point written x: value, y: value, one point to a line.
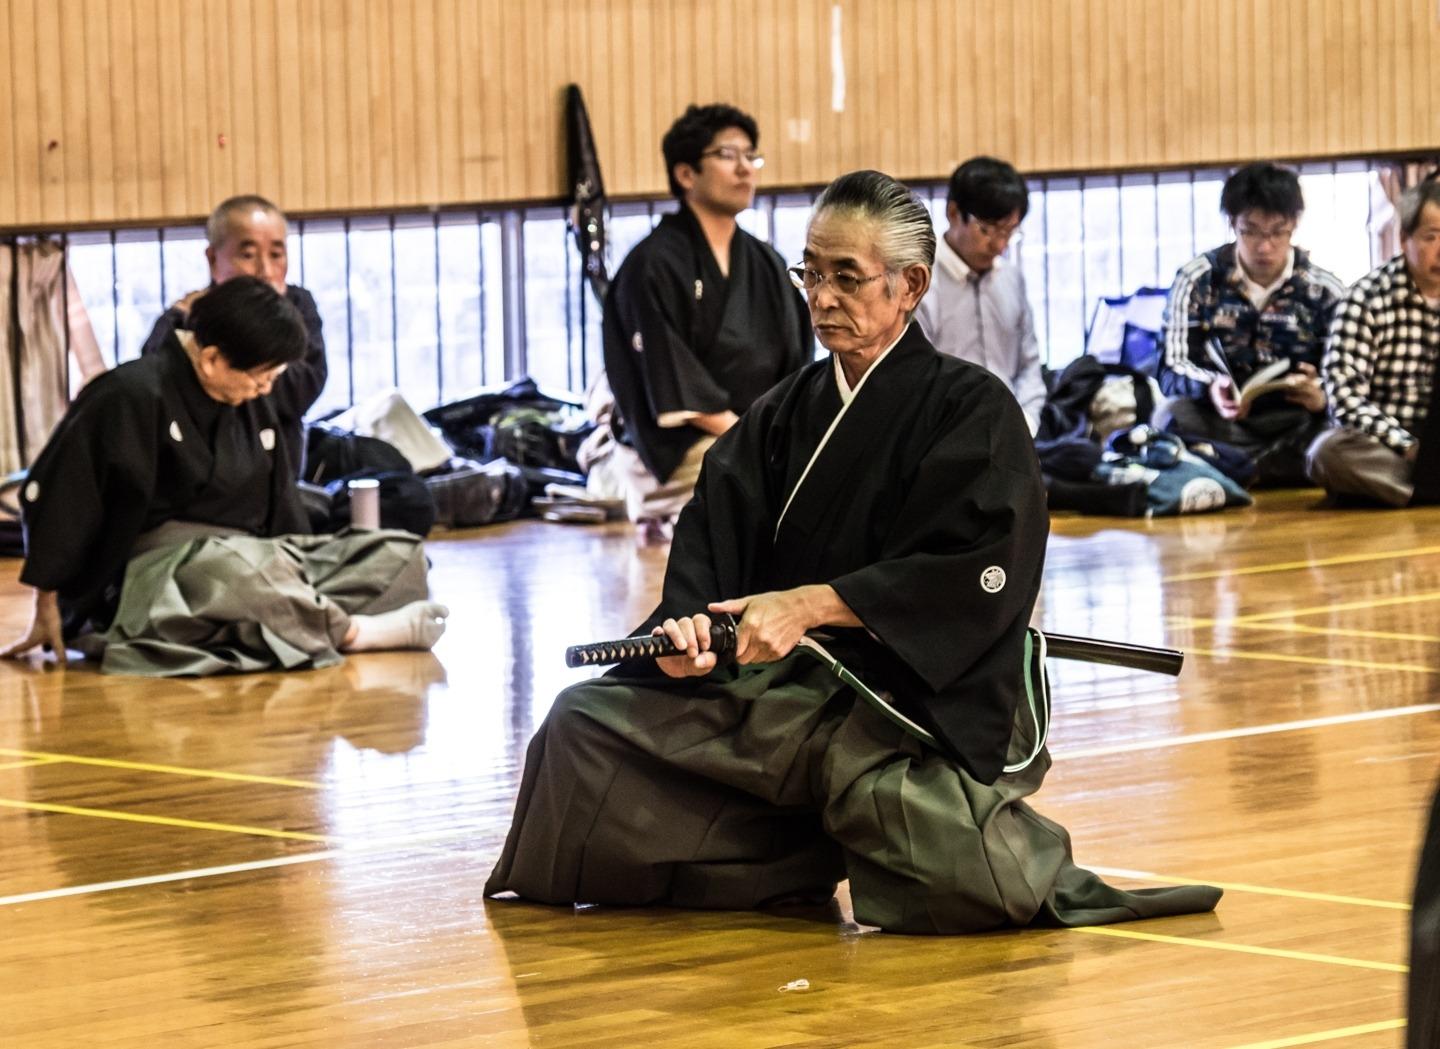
x: 699, y: 321
x: 1236, y: 310
x: 1379, y: 371
x: 977, y: 308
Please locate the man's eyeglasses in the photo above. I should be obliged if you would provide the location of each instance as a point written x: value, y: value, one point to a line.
x: 844, y: 284
x: 993, y: 232
x: 1251, y: 235
x: 732, y: 155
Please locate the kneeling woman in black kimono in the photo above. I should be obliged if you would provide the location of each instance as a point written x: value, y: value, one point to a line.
x: 163, y: 532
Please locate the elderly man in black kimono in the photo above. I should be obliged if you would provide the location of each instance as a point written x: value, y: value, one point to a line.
x: 163, y: 527
x: 247, y: 237
x: 890, y: 496
x: 700, y: 319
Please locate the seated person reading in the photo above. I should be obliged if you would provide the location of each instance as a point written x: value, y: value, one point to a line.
x: 1254, y: 304
x: 891, y: 495
x: 162, y: 520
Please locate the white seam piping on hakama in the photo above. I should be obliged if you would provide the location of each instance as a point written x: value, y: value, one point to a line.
x: 845, y: 407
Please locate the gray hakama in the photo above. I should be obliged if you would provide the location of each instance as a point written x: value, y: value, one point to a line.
x: 778, y: 785
x: 236, y: 603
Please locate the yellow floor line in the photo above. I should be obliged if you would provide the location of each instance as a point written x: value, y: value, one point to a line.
x: 1326, y: 1036
x: 26, y: 764
x: 164, y: 821
x: 1275, y: 657
x: 1236, y: 886
x: 1300, y: 628
x: 169, y: 770
x: 1240, y: 948
x: 1344, y: 606
x: 1290, y: 566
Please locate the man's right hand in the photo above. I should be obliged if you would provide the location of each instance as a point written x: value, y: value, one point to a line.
x: 183, y: 305
x: 44, y: 629
x: 1225, y: 398
x: 691, y: 633
x: 1412, y: 451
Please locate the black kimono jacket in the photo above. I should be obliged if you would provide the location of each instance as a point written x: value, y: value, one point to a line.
x: 142, y: 445
x: 925, y: 512
x: 297, y: 388
x: 680, y: 336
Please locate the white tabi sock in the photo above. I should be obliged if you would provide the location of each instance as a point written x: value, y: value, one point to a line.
x: 416, y: 625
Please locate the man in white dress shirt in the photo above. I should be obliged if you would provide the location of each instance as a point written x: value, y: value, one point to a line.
x: 977, y: 309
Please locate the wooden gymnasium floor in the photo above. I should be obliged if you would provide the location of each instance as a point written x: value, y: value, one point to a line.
x: 297, y: 860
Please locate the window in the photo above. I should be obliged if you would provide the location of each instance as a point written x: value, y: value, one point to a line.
x: 419, y: 301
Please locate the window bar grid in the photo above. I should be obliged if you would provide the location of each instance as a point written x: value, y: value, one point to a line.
x: 65, y: 304
x: 439, y: 320
x: 349, y: 319
x: 394, y: 310
x: 569, y: 314
x: 164, y: 291
x: 484, y: 301
x: 1084, y: 260
x: 114, y: 300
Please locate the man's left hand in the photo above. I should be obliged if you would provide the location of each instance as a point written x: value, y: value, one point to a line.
x: 772, y: 623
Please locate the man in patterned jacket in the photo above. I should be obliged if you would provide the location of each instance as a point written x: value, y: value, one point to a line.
x: 1243, y: 307
x: 1379, y: 366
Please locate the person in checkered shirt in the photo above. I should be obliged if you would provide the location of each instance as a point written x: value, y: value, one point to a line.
x: 1379, y: 365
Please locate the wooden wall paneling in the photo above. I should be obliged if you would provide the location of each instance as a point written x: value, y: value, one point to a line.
x: 369, y: 109
x: 1380, y: 72
x: 449, y: 184
x: 1023, y: 78
x: 10, y: 180
x: 421, y: 67
x: 470, y: 98
x: 553, y: 65
x: 265, y: 157
x: 1252, y: 122
x: 337, y: 177
x: 829, y: 128
x: 167, y: 108
x: 1109, y: 108
x: 193, y: 105
x: 1363, y: 119
x: 1332, y: 76
x: 128, y: 171
x: 48, y: 79
x: 781, y: 98
x: 89, y: 99
x: 404, y: 99
x: 1276, y: 22
x: 1407, y: 40
x: 425, y: 52
x: 490, y: 153
x: 1427, y: 22
x: 220, y: 108
x: 241, y: 123
x: 311, y: 137
x: 669, y: 70
x: 507, y: 56
x: 1158, y: 77
x: 983, y: 80
x: 289, y: 151
x: 1048, y: 98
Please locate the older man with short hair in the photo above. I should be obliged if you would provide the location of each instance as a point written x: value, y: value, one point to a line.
x: 890, y: 496
x: 1379, y: 366
x: 246, y: 236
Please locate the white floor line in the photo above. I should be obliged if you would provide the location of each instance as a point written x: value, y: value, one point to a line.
x: 1068, y: 753
x: 378, y: 845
